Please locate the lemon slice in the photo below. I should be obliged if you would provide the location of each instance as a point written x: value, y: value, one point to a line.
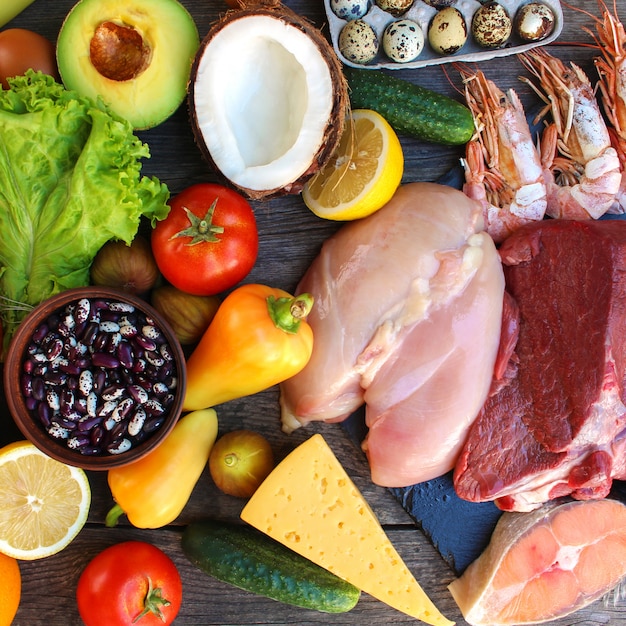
x: 43, y: 502
x: 363, y: 173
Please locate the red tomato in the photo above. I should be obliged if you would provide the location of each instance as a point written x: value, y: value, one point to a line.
x: 208, y: 242
x: 124, y: 581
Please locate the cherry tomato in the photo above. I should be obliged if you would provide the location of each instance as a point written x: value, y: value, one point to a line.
x: 133, y: 582
x: 208, y: 242
x: 21, y: 50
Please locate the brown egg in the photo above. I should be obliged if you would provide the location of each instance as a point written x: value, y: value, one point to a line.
x: 22, y: 49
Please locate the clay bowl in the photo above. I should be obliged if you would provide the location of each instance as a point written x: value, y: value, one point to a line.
x: 113, y: 414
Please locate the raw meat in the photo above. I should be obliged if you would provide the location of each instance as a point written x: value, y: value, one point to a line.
x: 545, y: 564
x: 407, y: 315
x: 557, y: 424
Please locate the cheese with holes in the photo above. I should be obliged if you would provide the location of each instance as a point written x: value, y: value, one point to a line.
x: 310, y: 504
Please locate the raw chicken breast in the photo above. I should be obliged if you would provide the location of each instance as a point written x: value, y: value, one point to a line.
x: 407, y: 318
x: 545, y: 564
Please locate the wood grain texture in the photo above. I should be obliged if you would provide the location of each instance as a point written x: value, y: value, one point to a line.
x: 290, y: 237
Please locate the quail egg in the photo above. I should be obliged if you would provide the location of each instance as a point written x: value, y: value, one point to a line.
x: 491, y: 25
x: 534, y: 21
x: 358, y: 42
x: 440, y: 4
x: 350, y: 9
x: 395, y: 7
x: 447, y: 31
x: 403, y: 40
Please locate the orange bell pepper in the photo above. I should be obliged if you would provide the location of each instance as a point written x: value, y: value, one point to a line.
x: 258, y: 338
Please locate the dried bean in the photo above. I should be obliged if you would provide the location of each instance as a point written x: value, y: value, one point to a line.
x: 63, y: 422
x: 99, y: 342
x: 160, y: 389
x: 153, y: 423
x: 113, y: 392
x: 136, y: 422
x: 90, y: 333
x: 121, y: 307
x: 44, y: 412
x: 125, y: 354
x: 83, y: 310
x: 52, y: 398
x: 109, y: 326
x: 96, y: 436
x: 128, y: 330
x: 107, y: 408
x: 155, y: 359
x: 138, y: 393
x: 54, y: 430
x: 117, y: 447
x: 89, y: 423
x: 40, y: 332
x: 77, y: 442
x: 145, y: 342
x: 104, y: 359
x: 85, y: 382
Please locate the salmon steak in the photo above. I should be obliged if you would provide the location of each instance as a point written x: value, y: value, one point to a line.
x: 545, y: 564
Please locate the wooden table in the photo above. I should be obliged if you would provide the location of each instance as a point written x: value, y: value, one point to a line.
x: 290, y: 237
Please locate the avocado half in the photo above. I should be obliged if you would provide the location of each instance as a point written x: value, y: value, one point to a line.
x: 135, y: 54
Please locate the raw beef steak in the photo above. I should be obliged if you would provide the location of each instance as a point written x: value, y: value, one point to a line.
x: 556, y: 425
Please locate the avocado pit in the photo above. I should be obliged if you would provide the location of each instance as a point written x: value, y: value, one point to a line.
x: 118, y: 52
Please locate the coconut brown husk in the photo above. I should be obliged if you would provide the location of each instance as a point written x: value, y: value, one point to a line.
x: 341, y: 101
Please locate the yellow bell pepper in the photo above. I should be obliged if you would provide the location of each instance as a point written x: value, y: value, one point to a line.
x: 259, y: 337
x: 153, y: 490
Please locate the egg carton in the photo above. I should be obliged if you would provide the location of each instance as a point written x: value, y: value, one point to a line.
x: 423, y: 13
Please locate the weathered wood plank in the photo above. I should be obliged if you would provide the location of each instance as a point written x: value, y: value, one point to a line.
x: 290, y: 238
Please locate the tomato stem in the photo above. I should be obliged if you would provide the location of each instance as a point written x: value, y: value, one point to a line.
x: 287, y: 313
x: 201, y: 229
x: 153, y: 602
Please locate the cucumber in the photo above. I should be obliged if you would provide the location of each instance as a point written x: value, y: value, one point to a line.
x: 410, y: 109
x: 248, y: 559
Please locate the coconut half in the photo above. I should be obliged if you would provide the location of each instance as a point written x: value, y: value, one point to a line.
x: 267, y: 100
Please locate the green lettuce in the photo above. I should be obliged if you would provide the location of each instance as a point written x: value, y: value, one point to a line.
x: 70, y: 180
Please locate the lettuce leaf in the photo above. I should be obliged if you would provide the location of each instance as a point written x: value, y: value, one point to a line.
x: 70, y: 180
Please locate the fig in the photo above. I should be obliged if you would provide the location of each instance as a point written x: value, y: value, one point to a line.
x: 188, y: 315
x: 240, y: 461
x: 129, y: 268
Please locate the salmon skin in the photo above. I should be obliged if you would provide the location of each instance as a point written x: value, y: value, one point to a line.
x: 545, y: 564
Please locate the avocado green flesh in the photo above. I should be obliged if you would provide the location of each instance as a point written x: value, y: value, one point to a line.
x: 157, y: 92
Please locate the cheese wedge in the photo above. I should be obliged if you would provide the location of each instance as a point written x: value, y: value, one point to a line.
x: 310, y: 504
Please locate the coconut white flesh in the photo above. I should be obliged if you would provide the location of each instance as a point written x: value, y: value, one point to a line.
x: 263, y: 97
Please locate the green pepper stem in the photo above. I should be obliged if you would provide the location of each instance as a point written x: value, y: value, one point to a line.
x: 287, y: 313
x: 113, y: 516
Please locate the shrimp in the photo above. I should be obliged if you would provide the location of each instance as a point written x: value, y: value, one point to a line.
x: 581, y: 167
x: 611, y: 67
x: 502, y: 166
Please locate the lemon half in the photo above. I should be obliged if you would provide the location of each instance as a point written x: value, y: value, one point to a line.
x: 363, y: 173
x: 43, y: 502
